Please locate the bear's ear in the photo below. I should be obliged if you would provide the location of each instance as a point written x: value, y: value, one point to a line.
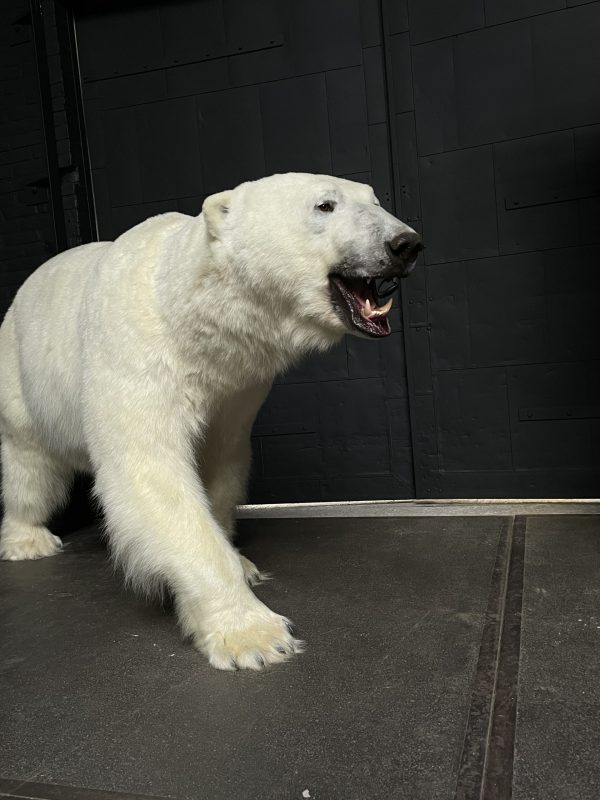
x: 214, y: 210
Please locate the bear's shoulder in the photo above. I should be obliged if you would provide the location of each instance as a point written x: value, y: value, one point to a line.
x: 161, y: 223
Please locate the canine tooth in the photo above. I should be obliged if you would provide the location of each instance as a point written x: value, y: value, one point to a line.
x: 368, y: 308
x: 381, y: 312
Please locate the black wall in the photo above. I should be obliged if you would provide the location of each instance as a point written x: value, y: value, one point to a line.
x: 43, y: 207
x: 26, y: 233
x: 497, y: 150
x: 478, y: 122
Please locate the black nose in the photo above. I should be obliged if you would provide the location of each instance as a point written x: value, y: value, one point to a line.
x: 404, y: 249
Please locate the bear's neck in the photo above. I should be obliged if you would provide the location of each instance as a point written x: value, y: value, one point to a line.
x: 213, y: 321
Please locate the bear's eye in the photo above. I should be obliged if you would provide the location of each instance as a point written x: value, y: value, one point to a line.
x: 326, y: 207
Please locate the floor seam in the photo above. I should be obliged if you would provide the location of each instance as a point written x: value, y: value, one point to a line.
x: 35, y: 790
x: 475, y: 751
x: 498, y: 774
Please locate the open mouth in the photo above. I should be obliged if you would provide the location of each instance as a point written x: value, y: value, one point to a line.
x: 355, y: 301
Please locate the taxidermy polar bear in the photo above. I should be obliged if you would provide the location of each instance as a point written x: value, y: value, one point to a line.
x: 145, y: 360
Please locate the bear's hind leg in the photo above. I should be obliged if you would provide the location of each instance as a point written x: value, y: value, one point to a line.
x: 34, y: 484
x: 224, y: 457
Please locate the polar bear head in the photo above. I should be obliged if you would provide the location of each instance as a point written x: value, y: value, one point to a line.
x: 313, y: 247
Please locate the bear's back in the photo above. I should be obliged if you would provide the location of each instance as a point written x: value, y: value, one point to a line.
x: 47, y: 305
x: 40, y: 342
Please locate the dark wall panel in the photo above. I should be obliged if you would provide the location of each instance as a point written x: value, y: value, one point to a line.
x: 152, y: 152
x: 473, y: 420
x: 435, y: 95
x: 347, y: 113
x: 370, y: 22
x: 459, y: 205
x: 401, y: 75
x: 499, y: 166
x: 136, y: 42
x: 396, y: 16
x: 486, y: 312
x: 296, y: 125
x: 509, y: 80
x: 495, y: 97
x: 497, y: 11
x: 572, y: 283
x: 167, y: 149
x: 239, y: 155
x: 374, y: 71
x: 430, y: 19
x: 290, y: 408
x: 259, y: 66
x: 202, y: 76
x: 324, y: 36
x: 566, y: 56
x: 252, y: 25
x: 191, y: 29
x: 292, y: 455
x: 400, y: 443
x: 532, y: 307
x: 551, y: 406
x: 155, y: 36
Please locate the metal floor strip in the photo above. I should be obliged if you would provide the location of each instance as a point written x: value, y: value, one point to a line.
x: 31, y: 790
x: 497, y: 779
x: 486, y: 764
x: 472, y: 764
x: 421, y: 508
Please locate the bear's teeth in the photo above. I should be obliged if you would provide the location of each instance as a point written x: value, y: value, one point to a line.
x: 369, y: 311
x: 384, y: 309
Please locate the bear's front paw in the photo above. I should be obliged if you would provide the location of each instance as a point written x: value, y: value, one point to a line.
x: 252, y: 641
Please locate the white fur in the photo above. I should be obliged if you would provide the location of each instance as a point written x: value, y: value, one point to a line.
x: 145, y: 362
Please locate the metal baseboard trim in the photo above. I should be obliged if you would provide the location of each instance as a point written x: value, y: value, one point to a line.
x: 423, y: 508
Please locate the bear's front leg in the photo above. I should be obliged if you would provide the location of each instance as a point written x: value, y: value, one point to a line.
x: 162, y: 531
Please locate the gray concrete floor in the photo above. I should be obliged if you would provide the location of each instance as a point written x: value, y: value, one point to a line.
x: 447, y: 657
